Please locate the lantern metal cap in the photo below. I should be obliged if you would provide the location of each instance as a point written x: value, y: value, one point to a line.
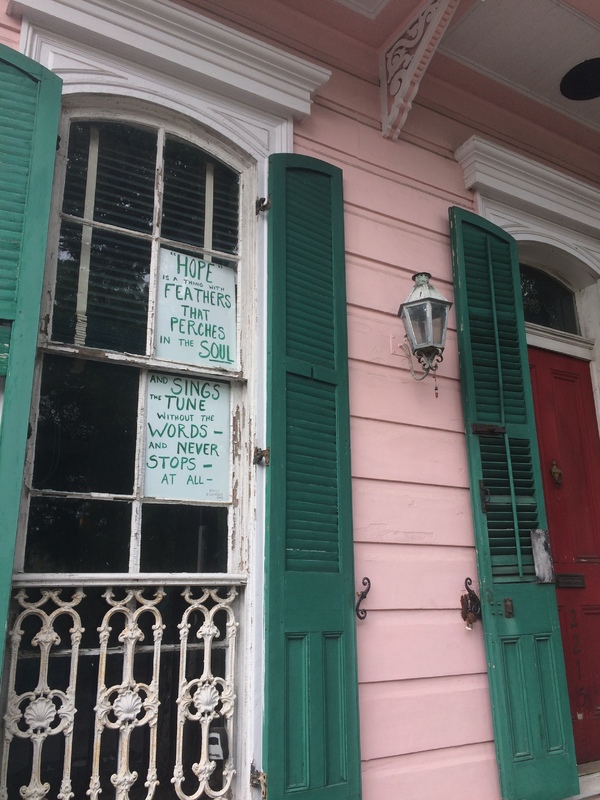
x: 423, y: 290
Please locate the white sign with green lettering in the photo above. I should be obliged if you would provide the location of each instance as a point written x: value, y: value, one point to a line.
x: 187, y: 439
x: 195, y: 311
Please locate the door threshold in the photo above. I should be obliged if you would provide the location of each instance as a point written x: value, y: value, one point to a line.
x: 589, y: 781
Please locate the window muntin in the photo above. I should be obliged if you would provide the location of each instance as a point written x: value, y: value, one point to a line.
x: 547, y: 302
x: 101, y: 461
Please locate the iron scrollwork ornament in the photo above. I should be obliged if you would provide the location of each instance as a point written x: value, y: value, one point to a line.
x: 361, y: 613
x: 470, y: 605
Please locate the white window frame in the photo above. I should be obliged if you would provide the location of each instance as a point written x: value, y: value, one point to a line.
x: 242, y: 389
x: 245, y: 92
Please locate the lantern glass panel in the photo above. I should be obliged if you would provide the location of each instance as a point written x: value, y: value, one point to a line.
x: 439, y: 320
x: 420, y: 322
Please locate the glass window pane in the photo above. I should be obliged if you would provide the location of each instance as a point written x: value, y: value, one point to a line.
x: 77, y: 165
x: 113, y: 305
x: 225, y: 213
x: 67, y: 280
x: 117, y: 307
x: 177, y: 538
x: 126, y: 176
x: 87, y: 426
x: 67, y: 535
x: 184, y: 192
x: 124, y: 190
x: 547, y: 302
x: 185, y: 201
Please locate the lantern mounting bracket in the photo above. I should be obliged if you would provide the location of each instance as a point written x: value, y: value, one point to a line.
x: 429, y: 363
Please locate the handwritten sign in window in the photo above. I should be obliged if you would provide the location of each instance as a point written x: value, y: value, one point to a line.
x: 187, y: 439
x: 195, y: 311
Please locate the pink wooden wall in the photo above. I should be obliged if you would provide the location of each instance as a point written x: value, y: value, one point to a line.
x: 9, y: 27
x: 425, y: 711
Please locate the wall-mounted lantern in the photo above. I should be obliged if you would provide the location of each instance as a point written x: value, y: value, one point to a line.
x: 425, y: 318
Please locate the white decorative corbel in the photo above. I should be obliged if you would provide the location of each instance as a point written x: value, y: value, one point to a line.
x: 405, y: 58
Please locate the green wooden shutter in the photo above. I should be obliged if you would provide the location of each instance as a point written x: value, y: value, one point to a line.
x: 532, y: 725
x: 311, y: 724
x: 29, y: 111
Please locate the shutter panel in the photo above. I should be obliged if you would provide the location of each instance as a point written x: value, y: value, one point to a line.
x: 29, y: 110
x: 311, y: 725
x: 532, y: 726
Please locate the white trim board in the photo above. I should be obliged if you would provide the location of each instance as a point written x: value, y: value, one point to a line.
x: 184, y: 45
x: 521, y: 183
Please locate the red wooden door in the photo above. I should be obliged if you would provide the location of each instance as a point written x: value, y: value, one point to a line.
x: 567, y: 428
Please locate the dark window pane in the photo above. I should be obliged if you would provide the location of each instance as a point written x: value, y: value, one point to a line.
x: 225, y: 213
x: 124, y: 191
x: 547, y: 302
x: 126, y: 175
x: 118, y: 293
x: 66, y: 535
x: 184, y: 198
x: 67, y: 278
x: 177, y: 538
x: 86, y: 428
x: 77, y: 165
x: 184, y: 192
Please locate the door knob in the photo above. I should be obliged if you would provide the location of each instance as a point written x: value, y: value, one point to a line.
x: 556, y: 473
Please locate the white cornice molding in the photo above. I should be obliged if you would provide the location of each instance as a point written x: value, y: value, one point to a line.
x: 368, y: 8
x: 90, y: 73
x: 185, y: 45
x: 520, y: 183
x: 404, y: 59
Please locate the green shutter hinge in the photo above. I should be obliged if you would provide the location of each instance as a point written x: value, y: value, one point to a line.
x: 261, y: 456
x: 5, y: 329
x: 484, y: 496
x: 263, y: 204
x: 258, y: 780
x: 485, y: 428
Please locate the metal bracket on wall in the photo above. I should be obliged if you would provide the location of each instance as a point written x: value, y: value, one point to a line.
x: 470, y: 605
x: 263, y: 204
x: 258, y: 780
x: 262, y: 456
x: 361, y: 612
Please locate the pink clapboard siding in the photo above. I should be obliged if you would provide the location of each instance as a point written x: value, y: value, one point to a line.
x: 468, y: 772
x: 10, y: 27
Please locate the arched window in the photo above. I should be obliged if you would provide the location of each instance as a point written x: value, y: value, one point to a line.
x: 547, y: 302
x: 130, y: 511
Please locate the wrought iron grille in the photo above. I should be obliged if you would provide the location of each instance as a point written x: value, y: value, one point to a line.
x: 113, y: 692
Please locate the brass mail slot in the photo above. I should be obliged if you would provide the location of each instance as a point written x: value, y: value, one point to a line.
x: 571, y: 580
